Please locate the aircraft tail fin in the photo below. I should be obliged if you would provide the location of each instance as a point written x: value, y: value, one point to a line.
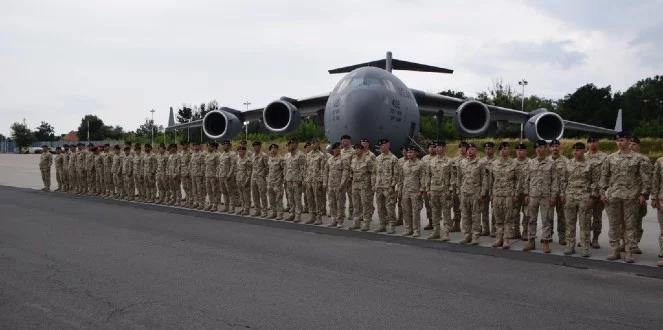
x: 171, y: 118
x: 618, y: 122
x: 389, y: 64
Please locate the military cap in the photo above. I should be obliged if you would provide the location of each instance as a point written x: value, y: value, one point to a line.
x: 226, y: 142
x: 335, y: 145
x: 243, y: 142
x: 489, y: 144
x: 346, y: 137
x: 148, y: 147
x: 540, y: 143
x: 578, y: 145
x: 383, y: 141
x: 137, y: 146
x: 256, y: 143
x: 441, y: 143
x: 462, y: 144
x: 293, y: 141
x: 127, y: 148
x: 635, y: 140
x: 364, y: 140
x: 554, y: 142
x: 65, y: 146
x: 58, y: 148
x: 107, y: 145
x: 161, y: 145
x: 622, y: 135
x: 592, y: 139
x: 521, y: 146
x: 307, y: 144
x: 93, y: 149
x: 503, y: 145
x: 471, y: 145
x: 273, y: 146
x: 431, y: 144
x: 411, y: 148
x: 214, y: 144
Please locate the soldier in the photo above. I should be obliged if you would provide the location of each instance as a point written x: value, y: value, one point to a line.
x: 117, y: 189
x: 542, y: 188
x: 440, y: 187
x: 363, y: 181
x: 337, y: 173
x: 90, y: 162
x: 462, y: 152
x: 347, y: 152
x: 149, y: 174
x: 226, y: 177
x: 185, y: 174
x: 59, y: 163
x: 386, y: 178
x: 315, y: 190
x: 413, y: 185
x: 578, y: 182
x: 426, y: 158
x: 596, y: 159
x: 624, y: 186
x: 243, y: 169
x: 642, y: 210
x: 259, y: 180
x: 45, y: 163
x: 657, y: 203
x: 306, y: 204
x: 399, y: 192
x: 504, y: 185
x: 473, y: 187
x: 69, y: 159
x: 275, y: 172
x: 65, y: 167
x: 211, y: 181
x: 560, y: 162
x: 81, y: 174
x: 127, y: 174
x: 197, y: 173
x: 138, y: 173
x: 98, y: 171
x: 294, y: 166
x: 173, y: 170
x: 519, y: 207
x: 488, y: 228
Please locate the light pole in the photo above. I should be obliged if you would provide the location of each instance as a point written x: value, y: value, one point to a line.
x: 522, y: 83
x: 152, y: 127
x: 246, y: 124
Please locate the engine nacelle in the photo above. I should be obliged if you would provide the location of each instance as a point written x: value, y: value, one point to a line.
x: 219, y: 124
x: 280, y: 116
x: 472, y: 119
x: 544, y: 126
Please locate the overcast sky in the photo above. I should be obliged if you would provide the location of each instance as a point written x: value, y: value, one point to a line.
x: 60, y: 60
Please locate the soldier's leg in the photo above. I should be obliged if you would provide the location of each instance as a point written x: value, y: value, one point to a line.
x: 224, y: 193
x: 256, y: 198
x: 571, y: 208
x: 597, y: 222
x: 457, y: 213
x: 356, y: 214
x: 348, y: 192
x: 524, y: 222
x: 499, y: 216
x: 631, y: 215
x: 659, y: 213
x: 533, y: 210
x: 366, y: 207
x: 435, y: 204
x: 202, y: 193
x: 333, y: 208
x: 584, y: 222
x: 417, y: 204
x: 309, y: 201
x: 476, y: 208
x: 429, y: 212
x: 446, y: 225
x: 381, y: 203
x: 339, y: 200
x: 290, y: 196
x: 615, y: 222
x: 390, y: 205
x: 561, y: 223
x: 320, y: 202
x: 399, y: 214
x: 45, y: 180
x: 407, y: 206
x: 485, y: 218
x: 466, y: 219
x: 262, y: 191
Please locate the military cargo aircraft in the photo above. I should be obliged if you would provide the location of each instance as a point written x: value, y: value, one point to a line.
x: 371, y: 102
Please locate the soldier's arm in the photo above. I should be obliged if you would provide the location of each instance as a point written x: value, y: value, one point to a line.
x: 563, y: 182
x: 645, y: 176
x: 656, y: 180
x: 605, y: 177
x: 554, y: 184
x: 483, y: 180
x: 517, y: 182
x: 595, y: 176
x: 423, y: 178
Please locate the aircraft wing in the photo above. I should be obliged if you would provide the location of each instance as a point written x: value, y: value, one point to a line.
x: 477, y: 116
x: 307, y: 106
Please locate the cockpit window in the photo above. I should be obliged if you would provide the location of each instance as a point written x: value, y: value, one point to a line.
x: 356, y: 81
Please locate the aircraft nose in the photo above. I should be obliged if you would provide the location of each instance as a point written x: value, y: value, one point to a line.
x: 364, y: 110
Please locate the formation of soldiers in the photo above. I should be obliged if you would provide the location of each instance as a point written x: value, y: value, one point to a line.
x: 494, y: 195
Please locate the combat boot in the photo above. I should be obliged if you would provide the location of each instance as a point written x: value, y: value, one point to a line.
x: 355, y: 225
x: 435, y: 234
x: 595, y: 241
x: 475, y: 240
x: 390, y: 229
x: 279, y: 216
x: 569, y: 250
x: 524, y: 236
x: 365, y: 226
x: 636, y: 250
x: 499, y: 242
x: 381, y: 229
x: 407, y: 232
x: 416, y: 233
x: 429, y: 226
x: 456, y: 227
x: 628, y: 257
x: 298, y: 218
x: 318, y: 220
x: 340, y: 223
x: 545, y: 247
x: 272, y: 215
x: 444, y: 237
x: 507, y: 244
x: 333, y: 223
x: 531, y: 245
x: 467, y: 239
x: 311, y: 220
x: 585, y: 252
x: 614, y: 254
x: 291, y: 217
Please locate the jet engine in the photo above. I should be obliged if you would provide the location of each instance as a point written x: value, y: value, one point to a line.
x: 280, y: 116
x: 472, y: 119
x: 544, y: 126
x: 220, y: 124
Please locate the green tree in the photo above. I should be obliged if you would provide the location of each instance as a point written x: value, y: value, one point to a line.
x: 590, y: 104
x: 115, y: 133
x: 22, y: 135
x: 44, y: 132
x: 96, y: 128
x: 642, y: 106
x: 184, y: 114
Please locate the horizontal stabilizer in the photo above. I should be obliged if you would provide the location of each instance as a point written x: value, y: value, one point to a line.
x: 395, y: 65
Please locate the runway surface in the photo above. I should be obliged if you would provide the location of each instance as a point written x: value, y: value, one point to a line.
x: 74, y: 262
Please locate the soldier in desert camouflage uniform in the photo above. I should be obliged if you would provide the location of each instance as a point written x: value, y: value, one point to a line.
x: 116, y: 169
x: 294, y: 169
x: 173, y: 174
x: 413, y: 185
x: 386, y: 179
x: 519, y: 207
x: 337, y: 173
x: 657, y: 203
x: 503, y: 184
x: 440, y: 186
x: 66, y: 167
x: 127, y: 174
x: 316, y: 161
x: 462, y: 151
x: 473, y: 187
x: 347, y: 152
x: 542, y: 189
x: 488, y: 227
x: 197, y: 173
x: 81, y: 173
x: 432, y: 147
x: 560, y: 162
x: 45, y: 163
x: 275, y: 173
x: 642, y: 210
x: 149, y: 174
x: 259, y: 180
x: 596, y: 159
x: 160, y: 176
x: 243, y: 169
x: 58, y: 160
x: 363, y: 183
x: 226, y: 177
x: 90, y: 170
x: 185, y: 174
x: 211, y: 180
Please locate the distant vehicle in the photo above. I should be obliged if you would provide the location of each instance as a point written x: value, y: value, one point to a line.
x: 34, y: 150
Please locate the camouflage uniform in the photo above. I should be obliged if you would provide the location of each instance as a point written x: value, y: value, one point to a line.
x: 426, y: 199
x: 259, y: 184
x: 363, y: 181
x: 138, y: 176
x: 657, y: 195
x: 386, y: 178
x: 315, y: 169
x: 116, y: 169
x: 504, y: 186
x: 185, y: 176
x: 541, y: 185
x: 81, y: 173
x: 161, y: 178
x: 243, y: 169
x: 413, y: 182
x: 149, y: 176
x: 227, y: 182
x: 173, y: 174
x: 578, y: 183
x: 440, y: 191
x: 45, y: 163
x: 487, y: 227
x: 621, y: 175
x: 127, y: 176
x: 473, y: 186
x: 347, y: 154
x: 596, y: 160
x: 455, y: 199
x: 211, y: 180
x: 71, y: 171
x: 275, y: 172
x: 197, y: 173
x: 399, y: 193
x: 519, y: 207
x: 59, y: 170
x: 90, y: 172
x: 560, y: 162
x: 98, y: 173
x: 294, y: 168
x: 642, y: 209
x: 336, y: 178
